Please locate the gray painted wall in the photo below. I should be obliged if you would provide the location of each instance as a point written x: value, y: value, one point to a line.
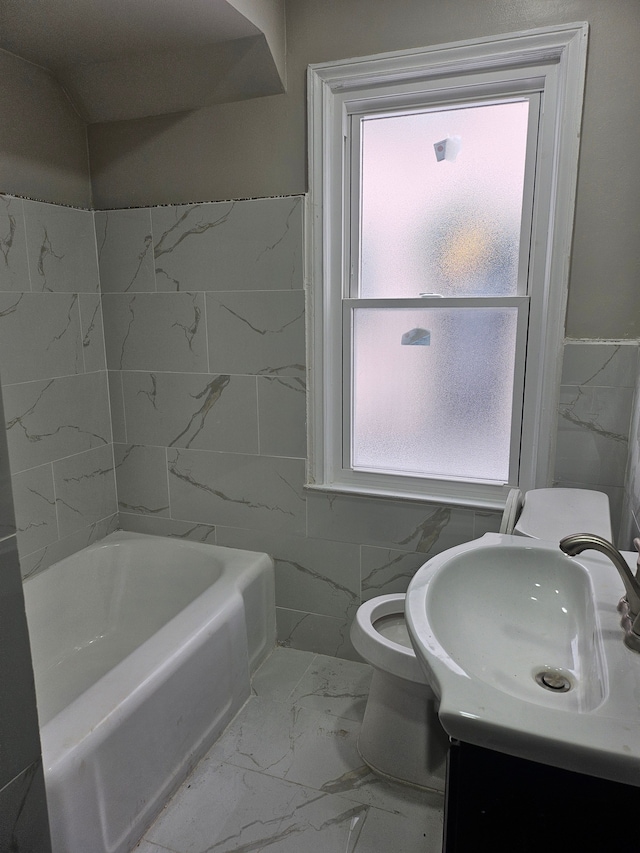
x: 258, y: 148
x: 43, y: 142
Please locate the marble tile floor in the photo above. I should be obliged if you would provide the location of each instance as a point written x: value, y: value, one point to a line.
x: 286, y: 776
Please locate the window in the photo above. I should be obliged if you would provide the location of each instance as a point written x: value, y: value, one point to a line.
x: 440, y: 214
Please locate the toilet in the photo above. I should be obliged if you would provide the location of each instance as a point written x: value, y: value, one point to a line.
x: 401, y: 737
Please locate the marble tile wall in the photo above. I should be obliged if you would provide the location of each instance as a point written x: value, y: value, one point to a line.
x: 24, y: 823
x: 630, y: 528
x: 53, y: 371
x: 594, y: 419
x: 203, y: 309
x: 204, y: 321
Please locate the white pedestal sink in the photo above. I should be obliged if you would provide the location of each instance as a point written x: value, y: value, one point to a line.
x: 523, y: 649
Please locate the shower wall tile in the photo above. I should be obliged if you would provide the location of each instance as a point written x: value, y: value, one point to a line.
x: 192, y: 410
x: 38, y: 561
x: 185, y: 243
x: 593, y: 434
x: 159, y: 331
x: 14, y: 269
x: 316, y: 572
x: 35, y: 505
x: 230, y: 443
x: 19, y: 732
x: 7, y: 522
x: 61, y: 248
x: 234, y: 427
x: 311, y: 632
x: 235, y: 245
x: 53, y: 418
x: 24, y: 824
x: 404, y: 525
x: 141, y: 477
x: 237, y: 490
x: 24, y: 820
x: 613, y: 365
x: 633, y: 480
x: 116, y: 401
x: 85, y: 489
x: 92, y: 332
x: 7, y: 515
x: 630, y: 515
x: 282, y: 412
x: 629, y: 526
x: 594, y: 421
x: 256, y: 333
x: 386, y: 571
x: 125, y: 251
x: 486, y: 521
x: 203, y: 322
x: 161, y: 526
x: 40, y: 336
x: 53, y: 366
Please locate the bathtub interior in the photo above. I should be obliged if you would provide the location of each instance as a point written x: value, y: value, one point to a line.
x: 106, y: 601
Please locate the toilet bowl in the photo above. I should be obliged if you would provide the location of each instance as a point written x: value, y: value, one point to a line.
x: 401, y: 737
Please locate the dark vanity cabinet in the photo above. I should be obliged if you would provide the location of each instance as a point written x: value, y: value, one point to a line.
x: 502, y: 804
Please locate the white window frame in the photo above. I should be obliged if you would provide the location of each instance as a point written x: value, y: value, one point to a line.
x: 551, y: 61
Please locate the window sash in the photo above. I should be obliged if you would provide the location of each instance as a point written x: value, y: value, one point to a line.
x: 352, y: 169
x: 342, y: 461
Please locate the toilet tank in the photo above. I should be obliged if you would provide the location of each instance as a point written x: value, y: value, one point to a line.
x: 554, y: 513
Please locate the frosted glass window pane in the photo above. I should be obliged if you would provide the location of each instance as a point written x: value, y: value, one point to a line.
x: 449, y: 226
x: 441, y: 406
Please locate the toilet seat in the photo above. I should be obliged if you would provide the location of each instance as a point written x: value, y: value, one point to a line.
x: 512, y: 510
x: 377, y: 649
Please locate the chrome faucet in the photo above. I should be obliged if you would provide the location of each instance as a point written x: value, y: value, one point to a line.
x: 629, y: 605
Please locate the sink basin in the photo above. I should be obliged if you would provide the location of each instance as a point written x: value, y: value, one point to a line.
x: 527, y: 616
x: 522, y: 647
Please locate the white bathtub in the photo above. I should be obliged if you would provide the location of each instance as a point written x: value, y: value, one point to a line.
x: 142, y: 649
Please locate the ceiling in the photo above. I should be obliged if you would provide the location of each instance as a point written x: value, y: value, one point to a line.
x: 124, y: 59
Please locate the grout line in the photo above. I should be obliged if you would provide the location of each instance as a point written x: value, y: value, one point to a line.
x: 153, y: 251
x: 166, y: 470
x: 206, y: 332
x: 26, y: 247
x: 311, y: 662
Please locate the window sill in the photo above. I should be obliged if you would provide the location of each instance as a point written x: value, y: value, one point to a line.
x: 476, y: 498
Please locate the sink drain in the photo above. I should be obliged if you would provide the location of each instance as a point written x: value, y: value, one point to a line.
x: 553, y: 680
